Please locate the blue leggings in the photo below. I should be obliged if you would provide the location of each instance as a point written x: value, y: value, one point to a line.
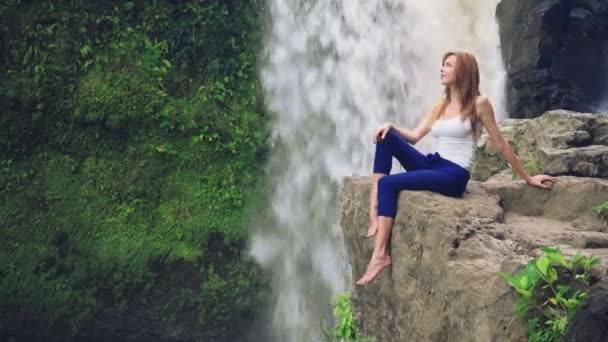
x: 430, y: 172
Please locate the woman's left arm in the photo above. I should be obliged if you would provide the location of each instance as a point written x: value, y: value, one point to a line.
x: 485, y: 112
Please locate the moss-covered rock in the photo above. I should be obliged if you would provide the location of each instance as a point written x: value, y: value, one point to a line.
x: 130, y: 147
x: 126, y: 241
x: 558, y: 143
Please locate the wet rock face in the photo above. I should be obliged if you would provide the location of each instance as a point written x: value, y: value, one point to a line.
x: 555, y: 53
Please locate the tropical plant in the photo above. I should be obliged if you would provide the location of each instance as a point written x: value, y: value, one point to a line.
x: 550, y: 289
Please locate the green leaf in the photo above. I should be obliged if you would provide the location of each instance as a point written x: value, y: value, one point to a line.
x: 514, y: 281
x: 555, y: 256
x: 542, y: 265
x: 85, y: 50
x: 552, y: 275
x: 525, y: 293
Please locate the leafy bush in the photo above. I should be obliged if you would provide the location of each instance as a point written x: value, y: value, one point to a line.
x: 550, y: 290
x: 345, y: 328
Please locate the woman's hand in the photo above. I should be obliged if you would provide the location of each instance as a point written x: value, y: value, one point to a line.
x: 381, y: 132
x: 486, y: 113
x: 539, y: 180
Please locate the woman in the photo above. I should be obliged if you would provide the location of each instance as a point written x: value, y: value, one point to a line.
x: 454, y: 122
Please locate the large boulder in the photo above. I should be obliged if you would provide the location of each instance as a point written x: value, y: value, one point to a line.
x: 555, y: 53
x: 558, y: 143
x: 443, y: 284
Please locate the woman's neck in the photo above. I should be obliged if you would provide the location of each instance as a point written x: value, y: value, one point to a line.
x: 454, y: 96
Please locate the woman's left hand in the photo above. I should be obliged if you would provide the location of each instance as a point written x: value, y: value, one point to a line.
x: 539, y: 180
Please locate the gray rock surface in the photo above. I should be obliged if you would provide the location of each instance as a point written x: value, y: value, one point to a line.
x: 557, y: 143
x: 443, y: 284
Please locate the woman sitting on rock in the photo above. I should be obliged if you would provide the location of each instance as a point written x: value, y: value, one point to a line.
x: 453, y: 122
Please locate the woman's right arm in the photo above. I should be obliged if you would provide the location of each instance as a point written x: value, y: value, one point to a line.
x: 412, y: 136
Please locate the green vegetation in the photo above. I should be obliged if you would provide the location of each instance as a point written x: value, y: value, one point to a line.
x: 602, y: 211
x: 550, y: 289
x: 345, y: 328
x: 533, y: 167
x: 133, y: 136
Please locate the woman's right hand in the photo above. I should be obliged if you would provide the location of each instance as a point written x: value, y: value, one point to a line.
x: 381, y: 132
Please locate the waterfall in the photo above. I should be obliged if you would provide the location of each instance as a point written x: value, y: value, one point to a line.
x: 332, y: 71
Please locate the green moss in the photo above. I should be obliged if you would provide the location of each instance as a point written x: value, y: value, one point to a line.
x: 518, y: 144
x: 602, y: 211
x: 126, y: 83
x: 533, y: 167
x: 99, y: 224
x: 488, y: 163
x: 131, y: 153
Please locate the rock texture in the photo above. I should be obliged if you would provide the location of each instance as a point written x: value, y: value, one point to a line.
x: 590, y: 324
x: 447, y: 252
x: 555, y: 53
x: 558, y: 143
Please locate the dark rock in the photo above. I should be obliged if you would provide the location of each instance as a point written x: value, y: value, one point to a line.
x: 555, y: 53
x: 590, y: 324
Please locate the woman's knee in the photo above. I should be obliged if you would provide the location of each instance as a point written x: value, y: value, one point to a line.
x: 394, y: 140
x: 392, y: 135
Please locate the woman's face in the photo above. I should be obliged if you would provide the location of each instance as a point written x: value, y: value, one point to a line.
x: 447, y: 70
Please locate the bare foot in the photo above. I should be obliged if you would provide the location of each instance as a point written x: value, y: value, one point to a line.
x: 375, y: 266
x: 373, y: 229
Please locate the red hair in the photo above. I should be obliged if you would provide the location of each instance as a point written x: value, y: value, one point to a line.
x: 466, y: 83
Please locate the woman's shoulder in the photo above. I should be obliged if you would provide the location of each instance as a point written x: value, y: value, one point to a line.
x: 482, y: 101
x: 438, y: 106
x: 438, y: 103
x: 482, y: 105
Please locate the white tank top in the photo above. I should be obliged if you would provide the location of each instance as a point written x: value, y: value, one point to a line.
x: 455, y: 140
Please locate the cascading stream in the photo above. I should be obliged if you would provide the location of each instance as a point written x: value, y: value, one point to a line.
x: 332, y: 71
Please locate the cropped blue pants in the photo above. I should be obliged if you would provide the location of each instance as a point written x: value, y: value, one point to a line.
x: 424, y: 172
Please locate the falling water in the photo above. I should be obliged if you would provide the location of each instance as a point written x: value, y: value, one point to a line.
x: 332, y: 71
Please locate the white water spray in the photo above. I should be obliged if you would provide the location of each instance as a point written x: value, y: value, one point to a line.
x: 334, y: 70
